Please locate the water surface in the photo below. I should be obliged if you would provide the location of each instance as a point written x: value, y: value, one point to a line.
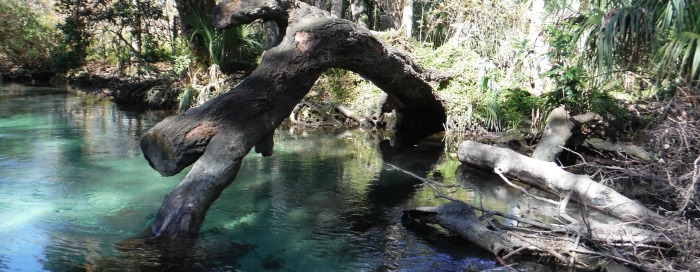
x: 74, y: 187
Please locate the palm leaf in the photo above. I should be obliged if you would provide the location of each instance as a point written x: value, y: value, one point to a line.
x: 681, y: 54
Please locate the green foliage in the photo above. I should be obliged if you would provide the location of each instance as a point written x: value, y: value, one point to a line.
x: 474, y: 97
x: 519, y: 105
x: 628, y: 35
x: 571, y: 88
x: 349, y: 89
x: 76, y: 35
x: 182, y: 56
x: 571, y: 79
x: 186, y: 99
x: 226, y: 47
x: 683, y: 48
x: 153, y: 50
x: 27, y: 36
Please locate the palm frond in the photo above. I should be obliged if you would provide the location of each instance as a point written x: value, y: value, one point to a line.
x: 625, y: 38
x: 681, y: 54
x: 239, y: 43
x: 677, y: 16
x: 623, y: 35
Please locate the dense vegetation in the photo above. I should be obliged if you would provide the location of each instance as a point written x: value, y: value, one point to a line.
x: 634, y: 62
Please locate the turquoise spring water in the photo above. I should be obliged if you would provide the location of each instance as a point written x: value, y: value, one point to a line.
x: 74, y: 186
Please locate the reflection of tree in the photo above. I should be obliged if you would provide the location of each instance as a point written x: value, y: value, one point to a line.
x: 364, y: 163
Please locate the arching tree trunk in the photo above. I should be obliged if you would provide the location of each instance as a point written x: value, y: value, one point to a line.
x: 217, y: 135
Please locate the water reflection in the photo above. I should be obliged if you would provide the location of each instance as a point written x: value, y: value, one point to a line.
x: 75, y: 191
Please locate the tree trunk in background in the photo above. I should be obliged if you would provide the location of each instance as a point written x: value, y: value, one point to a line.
x: 407, y: 17
x: 217, y: 135
x: 359, y: 13
x: 337, y: 9
x: 538, y: 62
x: 136, y: 30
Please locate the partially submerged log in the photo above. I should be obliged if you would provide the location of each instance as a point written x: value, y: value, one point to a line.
x: 217, y: 135
x: 548, y: 176
x: 460, y: 218
x: 570, y: 243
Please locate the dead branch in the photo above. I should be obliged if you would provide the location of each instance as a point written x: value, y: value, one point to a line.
x: 633, y: 150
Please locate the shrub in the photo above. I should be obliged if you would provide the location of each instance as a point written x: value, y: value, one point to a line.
x: 28, y: 36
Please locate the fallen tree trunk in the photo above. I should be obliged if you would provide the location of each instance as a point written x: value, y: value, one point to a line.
x: 570, y: 244
x: 460, y: 218
x: 548, y: 176
x: 217, y: 135
x: 352, y: 115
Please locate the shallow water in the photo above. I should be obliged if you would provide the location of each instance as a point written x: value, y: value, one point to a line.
x: 74, y: 188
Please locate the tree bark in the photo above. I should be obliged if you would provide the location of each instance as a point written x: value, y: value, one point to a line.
x: 548, y: 176
x: 217, y: 135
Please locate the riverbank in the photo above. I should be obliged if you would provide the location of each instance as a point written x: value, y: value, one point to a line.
x: 143, y: 88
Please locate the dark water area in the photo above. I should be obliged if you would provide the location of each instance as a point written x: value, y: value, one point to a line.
x: 75, y: 189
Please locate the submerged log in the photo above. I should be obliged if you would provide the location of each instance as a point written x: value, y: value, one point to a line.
x: 217, y: 135
x: 460, y: 218
x: 548, y: 176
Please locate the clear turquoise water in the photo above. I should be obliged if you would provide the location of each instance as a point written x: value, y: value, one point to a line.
x: 74, y: 186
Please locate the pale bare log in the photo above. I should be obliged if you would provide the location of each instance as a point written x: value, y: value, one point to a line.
x: 556, y: 132
x: 548, y: 176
